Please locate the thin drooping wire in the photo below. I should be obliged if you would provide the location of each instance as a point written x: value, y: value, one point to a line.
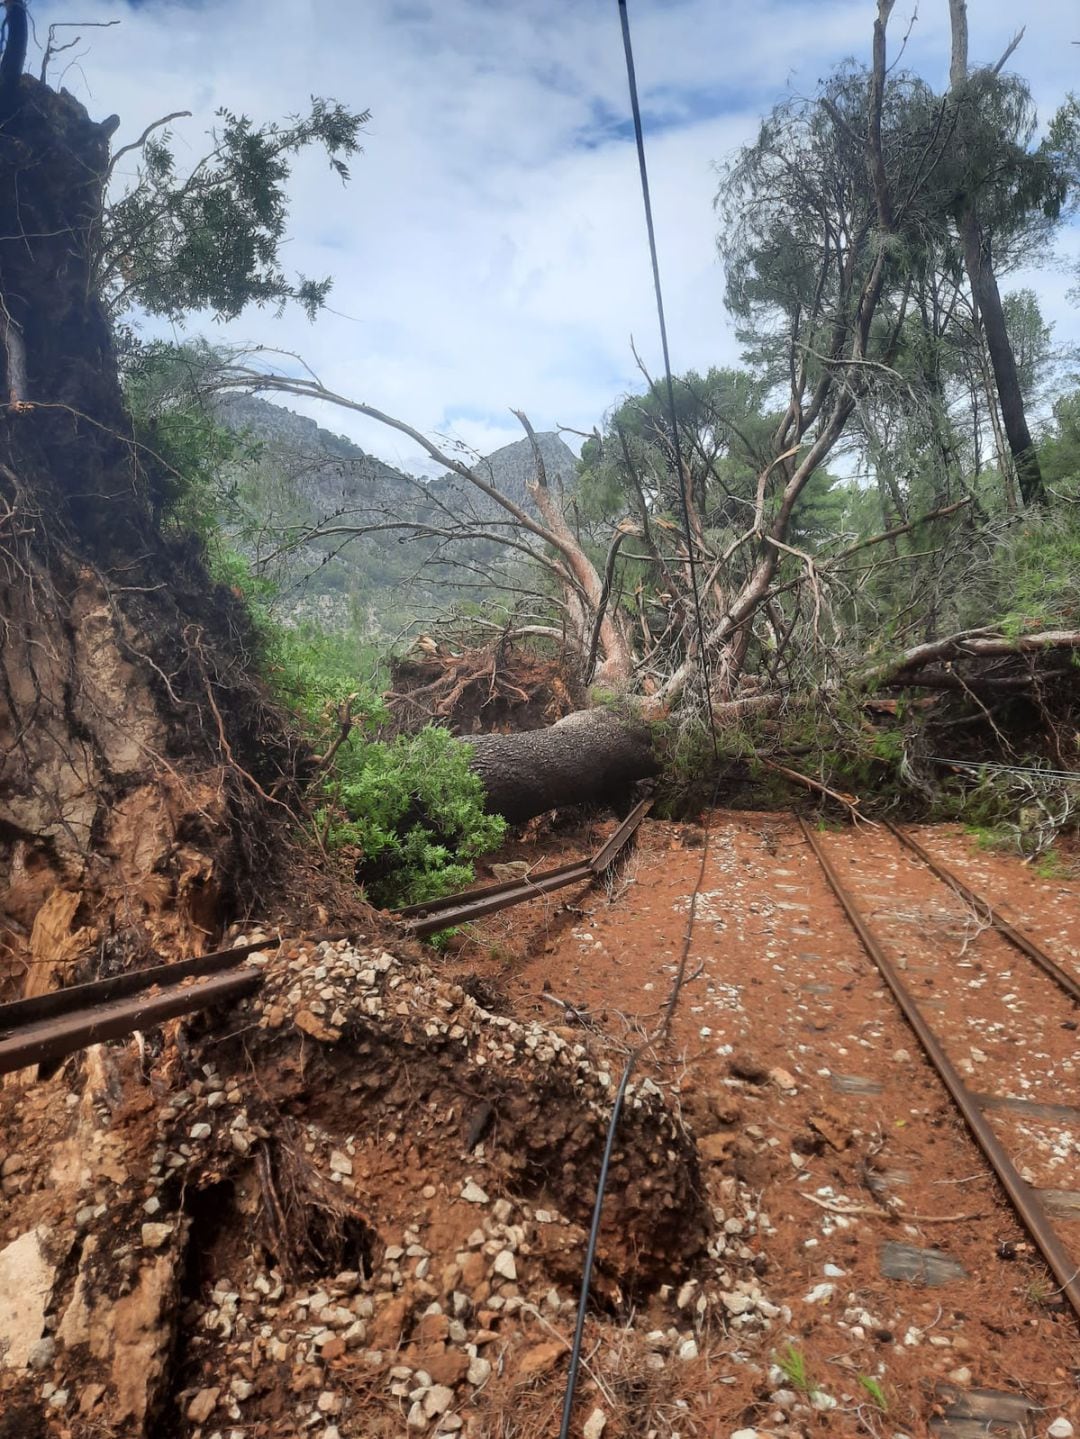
x: 590, y: 1252
x: 661, y: 1032
x: 1036, y: 770
x: 673, y: 419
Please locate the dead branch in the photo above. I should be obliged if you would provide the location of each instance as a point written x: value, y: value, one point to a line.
x: 877, y: 1213
x: 898, y: 530
x: 141, y: 141
x: 1009, y: 48
x: 967, y: 644
x: 51, y: 49
x: 345, y: 722
x: 626, y: 528
x: 849, y: 801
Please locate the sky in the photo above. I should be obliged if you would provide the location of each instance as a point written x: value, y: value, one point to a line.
x: 490, y: 251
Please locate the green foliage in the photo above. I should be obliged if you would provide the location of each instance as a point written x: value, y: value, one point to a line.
x: 409, y: 809
x: 193, y: 461
x: 415, y: 812
x: 876, y: 1392
x: 989, y: 837
x: 795, y: 1366
x: 1020, y: 188
x: 1050, y: 865
x: 315, y: 673
x: 210, y: 239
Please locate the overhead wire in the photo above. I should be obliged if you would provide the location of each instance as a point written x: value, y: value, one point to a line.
x: 682, y: 472
x: 663, y: 1029
x: 1037, y: 770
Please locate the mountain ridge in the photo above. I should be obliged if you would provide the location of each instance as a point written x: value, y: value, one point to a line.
x: 305, y: 476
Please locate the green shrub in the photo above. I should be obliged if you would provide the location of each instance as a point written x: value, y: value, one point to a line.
x: 409, y: 807
x: 415, y: 812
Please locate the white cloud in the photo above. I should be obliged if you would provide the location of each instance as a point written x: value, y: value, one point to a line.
x: 490, y: 250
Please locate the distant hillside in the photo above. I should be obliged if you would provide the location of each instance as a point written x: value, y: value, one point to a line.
x: 511, y: 466
x: 307, y: 476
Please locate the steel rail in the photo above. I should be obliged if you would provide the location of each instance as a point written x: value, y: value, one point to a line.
x: 98, y: 991
x: 50, y: 1026
x: 424, y: 919
x: 1023, y: 1198
x: 452, y: 901
x: 1061, y: 977
x: 58, y: 1035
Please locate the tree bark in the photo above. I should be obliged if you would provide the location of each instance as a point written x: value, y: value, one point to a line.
x: 987, y: 298
x: 591, y: 755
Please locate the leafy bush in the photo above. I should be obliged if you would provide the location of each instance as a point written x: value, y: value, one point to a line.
x: 414, y: 810
x: 410, y: 808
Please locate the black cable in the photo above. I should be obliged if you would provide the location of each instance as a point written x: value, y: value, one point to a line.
x: 681, y: 471
x: 590, y: 1252
x: 667, y: 1014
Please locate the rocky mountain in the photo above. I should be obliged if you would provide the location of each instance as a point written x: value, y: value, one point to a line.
x: 329, y: 524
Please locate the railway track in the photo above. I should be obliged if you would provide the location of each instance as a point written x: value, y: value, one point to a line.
x: 50, y: 1026
x: 1023, y: 1014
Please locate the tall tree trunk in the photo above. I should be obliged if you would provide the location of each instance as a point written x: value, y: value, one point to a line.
x: 987, y: 299
x: 1004, y: 458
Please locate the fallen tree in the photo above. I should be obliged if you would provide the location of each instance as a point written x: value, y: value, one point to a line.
x: 590, y: 755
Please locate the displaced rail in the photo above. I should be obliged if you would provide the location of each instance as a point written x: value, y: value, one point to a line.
x: 51, y: 1026
x: 437, y: 914
x: 1024, y: 1197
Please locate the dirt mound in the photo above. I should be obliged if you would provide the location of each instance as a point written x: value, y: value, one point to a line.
x: 492, y: 689
x: 367, y: 1203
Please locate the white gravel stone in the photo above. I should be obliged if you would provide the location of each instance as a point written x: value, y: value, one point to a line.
x: 473, y: 1193
x: 340, y: 1163
x: 595, y: 1424
x: 438, y: 1400
x: 479, y: 1372
x: 1060, y: 1429
x: 688, y: 1350
x: 505, y: 1266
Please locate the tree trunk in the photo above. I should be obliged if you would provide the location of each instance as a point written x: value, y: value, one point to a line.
x: 987, y: 298
x: 590, y: 755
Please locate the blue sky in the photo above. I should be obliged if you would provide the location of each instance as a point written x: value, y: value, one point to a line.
x: 490, y: 250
